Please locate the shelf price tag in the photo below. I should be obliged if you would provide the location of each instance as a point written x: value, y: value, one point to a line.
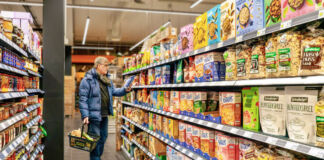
x: 195, y: 52
x: 292, y: 145
x: 220, y: 45
x: 238, y: 39
x: 207, y: 48
x: 261, y: 32
x: 285, y: 24
x: 320, y: 14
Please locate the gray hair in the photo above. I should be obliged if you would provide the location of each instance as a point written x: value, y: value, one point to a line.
x: 100, y: 60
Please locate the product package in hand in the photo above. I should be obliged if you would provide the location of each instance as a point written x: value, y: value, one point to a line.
x: 129, y: 81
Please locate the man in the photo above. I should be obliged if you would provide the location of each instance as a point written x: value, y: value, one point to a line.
x: 96, y: 98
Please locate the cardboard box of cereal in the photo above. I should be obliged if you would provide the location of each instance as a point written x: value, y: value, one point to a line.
x: 173, y: 128
x: 196, y: 137
x: 292, y: 9
x: 272, y: 12
x: 190, y: 101
x: 228, y: 19
x: 175, y: 102
x: 200, y: 32
x: 200, y: 100
x: 199, y: 65
x: 227, y: 147
x: 230, y: 108
x: 158, y: 75
x: 183, y: 101
x: 212, y: 101
x: 166, y: 105
x: 213, y: 24
x: 159, y: 123
x: 186, y: 36
x: 154, y: 122
x: 165, y: 124
x: 214, y: 67
x: 207, y: 141
x: 189, y: 139
x: 247, y: 149
x: 182, y: 131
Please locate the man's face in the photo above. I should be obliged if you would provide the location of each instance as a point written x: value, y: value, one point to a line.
x: 103, y: 68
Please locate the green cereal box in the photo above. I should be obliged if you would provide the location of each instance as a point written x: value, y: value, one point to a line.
x: 160, y: 100
x: 272, y: 12
x: 151, y: 121
x: 200, y: 99
x: 212, y: 101
x: 251, y: 108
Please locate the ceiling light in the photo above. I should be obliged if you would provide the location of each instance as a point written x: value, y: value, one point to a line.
x: 196, y: 3
x: 86, y: 30
x: 142, y: 41
x: 22, y: 3
x: 92, y: 48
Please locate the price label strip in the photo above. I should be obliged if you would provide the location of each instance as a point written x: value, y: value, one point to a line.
x: 285, y: 25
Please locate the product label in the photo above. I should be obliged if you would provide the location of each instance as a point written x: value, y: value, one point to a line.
x: 229, y: 69
x: 311, y: 57
x: 254, y: 64
x: 320, y: 128
x: 271, y: 61
x: 241, y: 67
x: 284, y: 59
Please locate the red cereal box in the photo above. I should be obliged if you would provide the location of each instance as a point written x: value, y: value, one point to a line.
x: 196, y: 137
x: 227, y: 147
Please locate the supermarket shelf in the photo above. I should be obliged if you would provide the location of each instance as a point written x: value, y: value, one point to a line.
x: 33, y: 140
x: 41, y: 122
x: 34, y: 73
x: 261, y: 137
x: 12, y: 146
x: 261, y: 32
x: 12, y: 95
x: 126, y: 140
x: 145, y: 150
x: 310, y: 80
x: 12, y: 120
x: 32, y: 122
x: 11, y: 45
x: 24, y: 157
x: 33, y: 55
x: 126, y: 129
x: 12, y: 69
x: 32, y: 107
x: 168, y: 141
x: 127, y: 153
x: 38, y: 149
x: 33, y: 91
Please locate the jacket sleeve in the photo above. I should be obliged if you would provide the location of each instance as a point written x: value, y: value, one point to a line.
x: 83, y: 98
x: 119, y: 92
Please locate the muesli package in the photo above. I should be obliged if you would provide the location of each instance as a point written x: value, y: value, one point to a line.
x: 186, y: 72
x: 227, y: 147
x: 228, y: 19
x: 207, y: 141
x: 243, y: 54
x: 200, y: 32
x: 166, y: 104
x: 289, y: 44
x: 189, y: 139
x: 213, y: 22
x: 230, y: 63
x: 257, y: 59
x: 196, y: 136
x: 272, y: 12
x: 273, y: 110
x: 291, y: 9
x: 301, y: 118
x: 251, y: 108
x: 186, y: 36
x: 319, y: 110
x: 182, y: 131
x: 183, y: 101
x: 271, y: 57
x: 192, y: 70
x: 247, y: 149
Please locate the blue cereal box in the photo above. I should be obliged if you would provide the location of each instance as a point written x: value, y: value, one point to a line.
x: 199, y: 66
x: 249, y: 16
x: 158, y: 75
x: 213, y: 25
x: 166, y: 74
x: 214, y: 67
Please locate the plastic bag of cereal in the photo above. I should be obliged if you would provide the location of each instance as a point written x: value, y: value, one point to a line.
x: 229, y: 57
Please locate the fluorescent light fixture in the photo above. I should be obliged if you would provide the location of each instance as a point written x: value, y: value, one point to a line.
x: 142, y: 41
x: 92, y: 48
x: 22, y: 3
x: 86, y: 30
x: 196, y: 3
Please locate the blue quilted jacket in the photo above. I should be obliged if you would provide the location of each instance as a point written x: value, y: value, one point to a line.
x: 90, y: 97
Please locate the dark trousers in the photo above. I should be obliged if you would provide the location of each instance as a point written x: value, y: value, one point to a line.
x: 99, y: 128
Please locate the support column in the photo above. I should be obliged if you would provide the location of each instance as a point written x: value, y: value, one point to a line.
x: 53, y: 78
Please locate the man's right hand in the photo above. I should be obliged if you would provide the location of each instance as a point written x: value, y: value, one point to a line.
x: 86, y: 120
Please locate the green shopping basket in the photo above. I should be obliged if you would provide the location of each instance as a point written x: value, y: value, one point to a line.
x: 82, y: 143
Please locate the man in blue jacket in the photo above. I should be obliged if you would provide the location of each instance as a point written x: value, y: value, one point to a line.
x: 96, y: 93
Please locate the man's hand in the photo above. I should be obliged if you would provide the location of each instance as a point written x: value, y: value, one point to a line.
x: 86, y: 120
x: 128, y: 89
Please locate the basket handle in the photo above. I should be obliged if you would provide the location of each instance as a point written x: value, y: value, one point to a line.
x: 82, y: 129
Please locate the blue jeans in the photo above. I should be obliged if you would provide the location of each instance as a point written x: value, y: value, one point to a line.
x: 99, y: 128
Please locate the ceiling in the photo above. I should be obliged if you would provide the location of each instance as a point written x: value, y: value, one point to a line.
x: 115, y: 28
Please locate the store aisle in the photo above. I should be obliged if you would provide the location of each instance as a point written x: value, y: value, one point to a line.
x: 72, y: 154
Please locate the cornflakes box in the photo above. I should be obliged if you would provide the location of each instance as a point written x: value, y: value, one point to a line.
x: 183, y: 101
x: 272, y: 12
x: 212, y: 101
x: 292, y: 9
x: 166, y: 104
x: 207, y: 141
x: 247, y: 149
x: 249, y: 16
x: 213, y: 25
x: 214, y: 67
x: 190, y: 101
x: 227, y: 147
x: 200, y: 32
x: 189, y: 138
x: 200, y: 100
x: 175, y: 102
x: 228, y: 19
x: 186, y: 36
x: 196, y: 134
x: 182, y: 131
x: 166, y: 74
x: 165, y: 124
x: 158, y: 75
x: 251, y: 108
x: 173, y: 128
x: 158, y: 123
x: 230, y: 108
x: 199, y: 65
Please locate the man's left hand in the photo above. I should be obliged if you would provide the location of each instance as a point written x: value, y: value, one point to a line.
x: 128, y: 89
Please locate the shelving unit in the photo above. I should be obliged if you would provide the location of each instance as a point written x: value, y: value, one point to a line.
x: 38, y: 149
x: 33, y: 140
x: 10, y: 45
x: 12, y: 95
x: 34, y: 73
x: 12, y: 120
x: 145, y: 150
x: 34, y: 91
x: 126, y: 140
x: 12, y: 146
x: 126, y: 152
x: 126, y: 129
x: 12, y: 70
x: 32, y: 107
x: 33, y: 121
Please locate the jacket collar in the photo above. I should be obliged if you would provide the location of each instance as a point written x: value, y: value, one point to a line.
x: 92, y: 74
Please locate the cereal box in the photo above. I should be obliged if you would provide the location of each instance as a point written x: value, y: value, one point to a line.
x: 165, y: 49
x: 249, y: 16
x: 142, y: 78
x: 230, y: 108
x: 272, y: 12
x: 189, y: 139
x: 247, y: 149
x: 160, y: 102
x: 183, y: 101
x: 192, y: 70
x: 151, y: 121
x: 207, y: 141
x: 179, y: 74
x: 190, y: 101
x: 196, y: 137
x: 158, y: 75
x: 291, y: 9
x: 228, y: 19
x: 173, y: 128
x: 186, y: 73
x: 182, y: 131
x: 144, y: 96
x: 227, y: 147
x: 154, y: 122
x: 199, y: 65
x: 181, y: 156
x: 214, y: 67
x: 155, y: 99
x: 170, y: 153
x: 200, y: 100
x: 251, y: 108
x: 166, y: 104
x: 165, y: 124
x: 212, y: 101
x: 213, y: 24
x: 186, y: 36
x: 200, y: 32
x: 166, y: 74
x: 159, y: 123
x: 175, y: 102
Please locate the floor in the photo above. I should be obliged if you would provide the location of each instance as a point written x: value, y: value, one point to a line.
x: 73, y: 154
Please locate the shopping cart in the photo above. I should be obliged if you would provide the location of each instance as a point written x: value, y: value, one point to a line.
x: 83, y: 143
